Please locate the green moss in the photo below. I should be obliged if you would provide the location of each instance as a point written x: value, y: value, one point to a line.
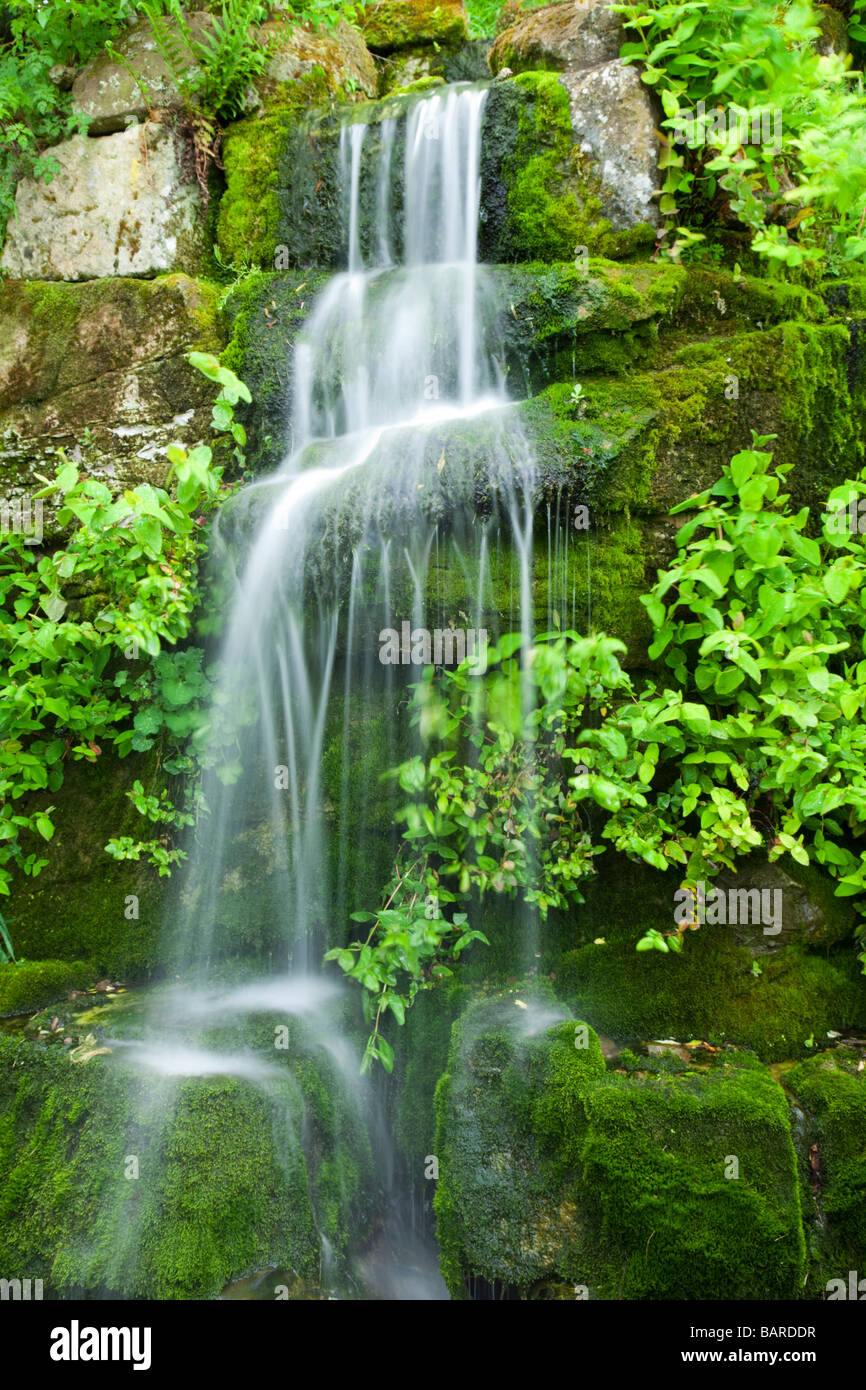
x: 360, y: 809
x: 396, y: 24
x: 557, y: 321
x: 832, y: 1092
x: 715, y: 303
x: 214, y: 1196
x: 230, y: 1177
x: 710, y: 990
x: 661, y: 1193
x: 844, y: 296
x: 249, y: 210
x: 60, y: 336
x: 30, y: 984
x: 83, y: 906
x: 648, y: 439
x: 420, y: 84
x: 265, y: 312
x: 552, y: 1169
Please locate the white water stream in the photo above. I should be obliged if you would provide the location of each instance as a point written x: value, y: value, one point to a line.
x: 393, y: 364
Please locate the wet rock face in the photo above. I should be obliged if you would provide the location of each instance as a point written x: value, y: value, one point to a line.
x: 121, y: 205
x: 579, y: 33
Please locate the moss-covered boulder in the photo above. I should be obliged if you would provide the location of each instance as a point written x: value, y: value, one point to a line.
x: 27, y: 985
x: 112, y: 93
x: 649, y: 439
x: 117, y: 1179
x: 298, y: 53
x: 394, y: 24
x: 716, y: 989
x: 831, y: 1091
x: 542, y: 195
x: 99, y: 367
x: 560, y: 1179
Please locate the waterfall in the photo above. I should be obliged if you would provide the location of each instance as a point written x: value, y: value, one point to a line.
x: 407, y: 497
x: 390, y: 365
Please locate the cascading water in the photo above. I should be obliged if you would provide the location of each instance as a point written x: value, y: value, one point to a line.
x: 407, y: 497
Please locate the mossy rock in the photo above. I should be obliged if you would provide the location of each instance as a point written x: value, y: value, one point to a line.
x: 553, y: 1170
x: 831, y: 1089
x: 541, y: 197
x: 27, y: 985
x: 228, y: 1177
x: 101, y: 366
x: 714, y: 989
x: 651, y: 439
x: 395, y: 24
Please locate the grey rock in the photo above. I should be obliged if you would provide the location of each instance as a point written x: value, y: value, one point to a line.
x: 614, y: 123
x: 116, y: 206
x: 580, y: 33
x: 113, y: 94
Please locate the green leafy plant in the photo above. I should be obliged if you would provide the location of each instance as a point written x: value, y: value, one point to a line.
x: 327, y: 14
x: 123, y: 583
x: 213, y: 70
x: 489, y: 17
x: 494, y: 808
x: 754, y: 740
x: 802, y: 193
x: 158, y: 852
x: 766, y: 624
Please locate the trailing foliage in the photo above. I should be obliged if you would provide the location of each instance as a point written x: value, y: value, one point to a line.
x: 755, y: 739
x: 800, y: 188
x: 123, y: 583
